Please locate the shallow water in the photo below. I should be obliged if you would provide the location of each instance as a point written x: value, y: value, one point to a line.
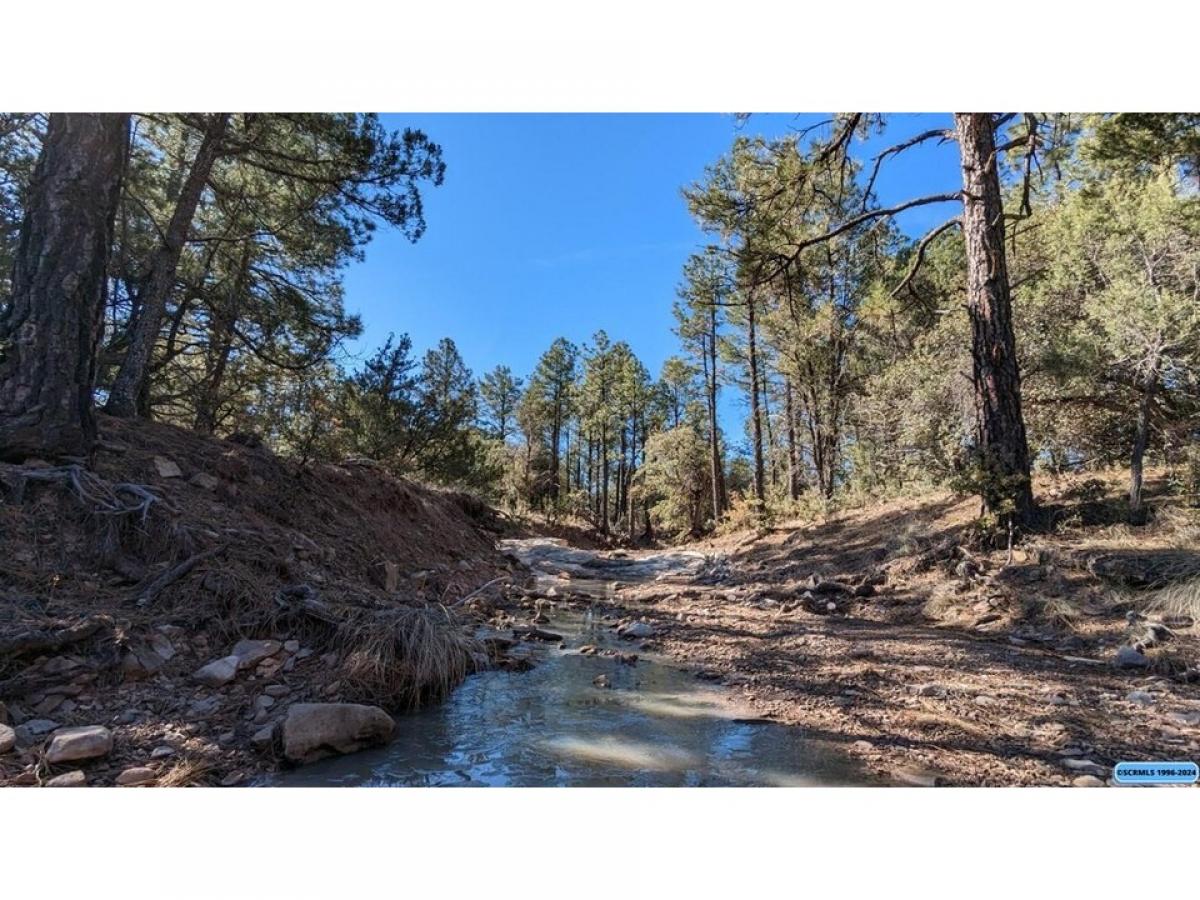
x: 653, y: 724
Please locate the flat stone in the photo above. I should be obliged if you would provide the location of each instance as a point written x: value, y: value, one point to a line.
x: 985, y: 700
x: 204, y: 707
x: 264, y: 738
x: 166, y: 468
x: 636, y: 630
x: 1128, y: 658
x: 917, y: 777
x: 217, y: 673
x: 84, y: 742
x: 1083, y: 764
x: 162, y: 751
x: 1087, y: 781
x: 1141, y: 698
x: 136, y: 775
x: 162, y: 646
x: 1189, y: 719
x: 205, y: 481
x: 74, y: 778
x: 291, y: 646
x: 312, y: 731
x: 8, y: 738
x: 250, y: 653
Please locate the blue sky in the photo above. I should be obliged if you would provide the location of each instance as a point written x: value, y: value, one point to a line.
x: 552, y: 225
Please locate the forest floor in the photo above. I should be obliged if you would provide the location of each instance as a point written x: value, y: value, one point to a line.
x: 877, y: 632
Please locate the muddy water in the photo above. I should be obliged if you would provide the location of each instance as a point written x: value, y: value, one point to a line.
x: 652, y: 725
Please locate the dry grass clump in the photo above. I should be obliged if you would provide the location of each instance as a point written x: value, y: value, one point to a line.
x: 406, y: 656
x: 185, y: 773
x: 1179, y: 600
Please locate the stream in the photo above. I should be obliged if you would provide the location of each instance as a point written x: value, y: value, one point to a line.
x: 652, y: 725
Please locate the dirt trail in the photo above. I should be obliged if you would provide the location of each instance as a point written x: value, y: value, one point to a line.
x: 964, y: 670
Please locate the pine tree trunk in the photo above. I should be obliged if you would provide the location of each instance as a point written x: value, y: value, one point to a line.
x: 1000, y: 427
x: 1140, y: 440
x: 793, y: 450
x: 51, y: 323
x: 210, y: 397
x: 130, y: 380
x: 714, y: 440
x: 755, y: 414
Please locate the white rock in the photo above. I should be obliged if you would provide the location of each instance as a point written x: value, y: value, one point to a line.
x: 1087, y: 781
x: 84, y: 742
x: 312, y: 731
x: 250, y: 653
x: 8, y: 738
x: 291, y: 646
x: 217, y: 673
x: 166, y: 468
x: 75, y: 778
x: 636, y: 630
x: 1128, y: 658
x: 135, y: 776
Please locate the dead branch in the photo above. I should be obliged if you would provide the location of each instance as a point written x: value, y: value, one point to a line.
x: 52, y: 640
x: 174, y: 574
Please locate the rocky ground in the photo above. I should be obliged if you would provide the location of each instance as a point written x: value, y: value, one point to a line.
x: 186, y: 610
x: 881, y: 634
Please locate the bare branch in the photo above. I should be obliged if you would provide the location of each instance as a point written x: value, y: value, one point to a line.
x: 922, y: 247
x: 899, y: 148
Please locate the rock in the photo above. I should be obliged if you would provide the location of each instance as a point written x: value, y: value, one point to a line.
x: 1185, y: 718
x: 204, y: 707
x: 34, y: 729
x: 1083, y: 765
x: 205, y: 481
x: 636, y: 630
x: 264, y: 701
x: 985, y: 700
x: 601, y: 681
x: 329, y: 659
x: 8, y: 738
x: 84, y: 742
x: 917, y: 777
x: 931, y: 690
x: 385, y: 574
x: 217, y: 673
x: 264, y: 738
x: 1087, y: 781
x: 49, y: 704
x: 305, y: 653
x: 136, y: 775
x: 1141, y: 698
x: 59, y: 664
x: 1128, y: 658
x: 162, y: 646
x: 277, y: 690
x: 166, y: 468
x: 75, y: 778
x: 162, y: 751
x: 312, y: 731
x: 250, y: 653
x: 291, y: 646
x: 142, y: 661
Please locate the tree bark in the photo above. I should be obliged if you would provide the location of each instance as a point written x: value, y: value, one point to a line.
x: 1141, y: 439
x: 210, y: 395
x: 755, y: 413
x: 1000, y: 426
x: 131, y: 377
x: 794, y: 478
x: 714, y: 438
x: 51, y: 325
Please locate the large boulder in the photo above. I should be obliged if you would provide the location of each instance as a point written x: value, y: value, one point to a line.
x: 84, y: 742
x: 312, y: 731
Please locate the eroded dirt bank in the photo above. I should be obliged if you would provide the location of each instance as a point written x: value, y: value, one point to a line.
x: 931, y: 664
x: 167, y: 607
